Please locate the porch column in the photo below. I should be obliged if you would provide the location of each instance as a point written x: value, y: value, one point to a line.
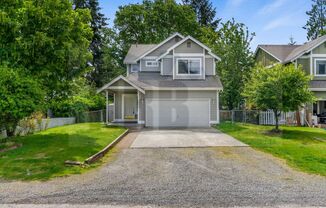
x: 107, y: 107
x: 138, y: 107
x: 218, y: 108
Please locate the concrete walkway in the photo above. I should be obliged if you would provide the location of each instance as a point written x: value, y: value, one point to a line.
x: 210, y: 137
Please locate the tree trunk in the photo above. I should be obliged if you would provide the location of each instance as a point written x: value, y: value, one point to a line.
x: 298, y: 118
x: 276, y: 121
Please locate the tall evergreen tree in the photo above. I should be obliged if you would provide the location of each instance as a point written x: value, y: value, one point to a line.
x: 316, y: 24
x: 205, y: 12
x: 98, y: 24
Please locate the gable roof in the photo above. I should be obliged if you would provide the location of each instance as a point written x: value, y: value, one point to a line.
x: 117, y: 79
x: 136, y: 51
x: 160, y: 44
x: 279, y: 52
x: 307, y: 47
x: 288, y: 53
x: 194, y: 40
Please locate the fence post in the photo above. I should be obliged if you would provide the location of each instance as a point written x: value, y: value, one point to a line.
x: 232, y: 114
x: 101, y: 111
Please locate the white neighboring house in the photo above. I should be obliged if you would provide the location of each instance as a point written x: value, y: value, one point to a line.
x: 170, y: 84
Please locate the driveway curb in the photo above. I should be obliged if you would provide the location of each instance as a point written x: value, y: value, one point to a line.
x: 101, y: 153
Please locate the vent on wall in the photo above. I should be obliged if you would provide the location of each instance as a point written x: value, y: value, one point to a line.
x: 188, y: 44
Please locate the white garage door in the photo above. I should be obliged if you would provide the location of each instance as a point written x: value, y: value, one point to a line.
x: 177, y: 113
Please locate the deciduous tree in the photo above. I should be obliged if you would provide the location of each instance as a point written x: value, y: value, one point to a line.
x: 20, y: 96
x: 47, y: 38
x: 280, y: 88
x: 153, y: 21
x: 231, y: 43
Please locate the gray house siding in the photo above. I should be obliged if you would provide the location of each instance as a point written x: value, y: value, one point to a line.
x: 212, y: 95
x: 121, y: 83
x: 209, y: 66
x: 167, y: 68
x: 148, y: 69
x: 321, y: 49
x: 183, y: 48
x: 163, y: 48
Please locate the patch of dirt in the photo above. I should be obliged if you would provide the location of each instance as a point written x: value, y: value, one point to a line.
x: 273, y: 133
x: 127, y: 140
x: 14, y: 146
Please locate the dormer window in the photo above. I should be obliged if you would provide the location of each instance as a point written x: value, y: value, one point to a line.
x: 151, y: 64
x: 189, y: 66
x: 188, y: 44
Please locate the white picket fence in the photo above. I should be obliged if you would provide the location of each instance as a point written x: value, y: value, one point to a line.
x: 260, y: 117
x: 288, y: 118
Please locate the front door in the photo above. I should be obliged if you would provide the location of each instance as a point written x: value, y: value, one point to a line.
x: 129, y: 107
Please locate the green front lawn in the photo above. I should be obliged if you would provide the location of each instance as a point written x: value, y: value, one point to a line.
x: 43, y: 154
x: 302, y: 147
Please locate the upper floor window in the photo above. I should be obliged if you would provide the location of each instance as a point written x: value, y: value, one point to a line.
x: 151, y: 64
x: 320, y: 67
x: 189, y: 66
x: 134, y: 67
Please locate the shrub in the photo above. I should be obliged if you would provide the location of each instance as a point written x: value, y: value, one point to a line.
x: 20, y: 96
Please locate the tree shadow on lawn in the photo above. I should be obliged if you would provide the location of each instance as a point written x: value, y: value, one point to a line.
x: 42, y: 156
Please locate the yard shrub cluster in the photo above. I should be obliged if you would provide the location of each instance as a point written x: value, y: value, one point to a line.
x: 20, y: 96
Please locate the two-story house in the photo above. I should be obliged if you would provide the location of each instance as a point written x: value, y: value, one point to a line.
x: 311, y: 56
x: 170, y: 84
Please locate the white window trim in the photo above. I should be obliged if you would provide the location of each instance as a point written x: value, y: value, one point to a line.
x: 315, y: 67
x: 200, y: 66
x: 131, y: 68
x: 154, y: 63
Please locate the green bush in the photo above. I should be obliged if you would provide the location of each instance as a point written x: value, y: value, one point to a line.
x: 20, y: 96
x: 84, y: 99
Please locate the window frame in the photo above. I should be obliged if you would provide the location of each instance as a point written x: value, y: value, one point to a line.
x: 131, y: 68
x: 153, y: 65
x: 189, y: 59
x: 315, y: 66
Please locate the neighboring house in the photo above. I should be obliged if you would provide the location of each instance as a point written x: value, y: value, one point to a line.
x: 311, y: 56
x: 170, y: 84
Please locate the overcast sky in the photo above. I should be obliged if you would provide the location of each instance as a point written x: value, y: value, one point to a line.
x: 273, y: 21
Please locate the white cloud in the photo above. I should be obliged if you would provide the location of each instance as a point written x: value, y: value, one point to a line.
x: 236, y: 3
x: 269, y: 8
x: 279, y: 22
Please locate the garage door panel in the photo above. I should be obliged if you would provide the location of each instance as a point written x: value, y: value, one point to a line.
x: 177, y: 113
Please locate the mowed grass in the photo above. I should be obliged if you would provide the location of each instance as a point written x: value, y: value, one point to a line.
x: 43, y: 154
x: 302, y: 147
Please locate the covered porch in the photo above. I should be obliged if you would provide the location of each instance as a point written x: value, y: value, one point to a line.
x: 128, y: 101
x: 319, y: 111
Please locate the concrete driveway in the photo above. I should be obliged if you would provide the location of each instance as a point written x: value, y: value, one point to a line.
x: 201, y: 137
